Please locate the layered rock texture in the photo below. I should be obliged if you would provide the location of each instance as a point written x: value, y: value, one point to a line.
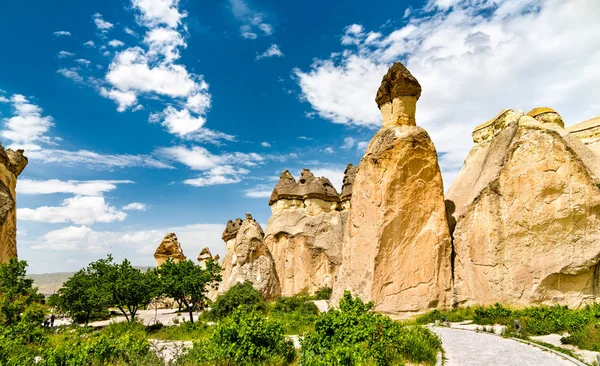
x: 588, y: 132
x: 306, y: 230
x: 169, y: 247
x: 12, y: 164
x: 204, y: 256
x: 527, y: 207
x: 397, y: 245
x: 248, y: 259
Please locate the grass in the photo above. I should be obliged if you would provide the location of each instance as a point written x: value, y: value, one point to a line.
x: 185, y: 331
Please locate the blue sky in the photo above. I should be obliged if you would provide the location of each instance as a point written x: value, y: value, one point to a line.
x: 147, y: 116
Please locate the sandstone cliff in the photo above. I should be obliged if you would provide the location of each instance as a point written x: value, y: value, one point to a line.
x: 169, y: 247
x: 248, y: 259
x: 527, y: 207
x: 588, y: 132
x: 397, y: 245
x: 12, y: 164
x: 306, y: 230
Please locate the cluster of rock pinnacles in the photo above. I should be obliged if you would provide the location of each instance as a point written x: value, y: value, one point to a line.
x: 520, y: 224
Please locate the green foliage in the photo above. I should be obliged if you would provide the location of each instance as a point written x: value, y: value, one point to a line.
x: 587, y: 337
x: 188, y: 283
x: 324, y: 293
x: 297, y: 313
x: 84, y: 295
x: 17, y: 293
x: 354, y: 335
x: 186, y: 331
x: 244, y: 338
x: 239, y: 295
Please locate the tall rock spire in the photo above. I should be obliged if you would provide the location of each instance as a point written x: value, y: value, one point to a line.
x: 12, y: 164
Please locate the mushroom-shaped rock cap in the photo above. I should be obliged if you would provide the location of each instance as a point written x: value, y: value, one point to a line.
x: 204, y: 255
x: 349, y: 175
x: 398, y: 82
x: 308, y: 186
x: 231, y: 229
x: 170, y: 247
x: 14, y: 161
x: 546, y: 115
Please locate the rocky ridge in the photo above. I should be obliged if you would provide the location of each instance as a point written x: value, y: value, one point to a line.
x: 169, y: 247
x: 12, y: 164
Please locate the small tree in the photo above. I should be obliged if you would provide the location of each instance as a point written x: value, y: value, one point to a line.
x: 16, y: 291
x: 133, y: 288
x: 84, y: 294
x: 188, y: 283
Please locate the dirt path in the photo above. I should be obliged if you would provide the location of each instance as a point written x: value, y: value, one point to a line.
x: 466, y: 348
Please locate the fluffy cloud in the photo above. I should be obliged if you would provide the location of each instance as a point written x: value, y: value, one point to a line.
x: 71, y: 73
x: 62, y: 33
x: 157, y: 12
x: 259, y: 191
x: 348, y: 143
x: 253, y: 21
x: 83, y: 61
x: 272, y: 51
x: 472, y: 61
x: 65, y: 54
x: 95, y: 160
x: 116, y: 43
x: 67, y: 239
x: 81, y: 210
x: 77, y: 187
x: 124, y: 99
x: 265, y: 144
x: 101, y: 24
x: 216, y: 169
x: 135, y: 206
x: 27, y: 126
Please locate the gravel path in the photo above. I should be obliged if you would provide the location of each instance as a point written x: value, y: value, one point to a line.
x: 465, y: 348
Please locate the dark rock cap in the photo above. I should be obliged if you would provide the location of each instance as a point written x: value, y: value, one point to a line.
x: 170, y: 247
x: 231, y: 229
x: 204, y: 255
x: 349, y: 175
x: 398, y: 82
x: 14, y: 161
x: 308, y: 186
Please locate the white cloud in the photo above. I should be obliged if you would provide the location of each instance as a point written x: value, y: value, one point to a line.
x: 124, y: 99
x: 272, y: 51
x: 130, y: 31
x: 329, y: 150
x: 135, y: 206
x: 305, y: 138
x: 164, y: 41
x: 334, y: 173
x: 181, y: 122
x: 116, y: 43
x: 259, y: 191
x: 90, y: 44
x: 62, y: 33
x: 362, y: 145
x: 348, y: 143
x: 4, y: 99
x: 76, y: 187
x: 27, y: 126
x: 96, y: 160
x: 81, y: 210
x: 265, y: 144
x: 252, y: 21
x: 216, y: 169
x: 471, y: 64
x: 157, y: 12
x: 71, y: 73
x: 83, y: 61
x: 66, y: 239
x: 101, y: 24
x: 65, y: 54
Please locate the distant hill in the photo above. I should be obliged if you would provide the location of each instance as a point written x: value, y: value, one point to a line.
x: 49, y: 283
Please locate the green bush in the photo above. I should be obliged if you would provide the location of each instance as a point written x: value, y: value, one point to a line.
x: 244, y: 338
x: 185, y: 331
x: 239, y: 295
x: 324, y: 293
x: 354, y: 335
x: 297, y: 313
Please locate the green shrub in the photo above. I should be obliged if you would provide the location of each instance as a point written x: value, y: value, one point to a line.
x: 239, y: 295
x: 297, y: 313
x: 244, y: 338
x: 324, y: 293
x: 354, y: 335
x: 185, y: 331
x: 587, y: 337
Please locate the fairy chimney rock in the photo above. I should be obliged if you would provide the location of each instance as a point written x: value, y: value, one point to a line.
x: 169, y: 248
x: 397, y: 97
x: 12, y: 164
x: 204, y: 256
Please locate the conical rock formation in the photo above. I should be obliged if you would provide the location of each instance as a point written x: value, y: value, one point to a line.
x: 306, y: 230
x: 527, y: 211
x: 169, y: 247
x: 249, y: 260
x: 12, y: 164
x: 397, y: 245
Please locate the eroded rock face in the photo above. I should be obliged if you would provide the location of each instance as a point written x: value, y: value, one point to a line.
x: 527, y: 209
x: 250, y: 260
x: 12, y: 164
x: 306, y: 230
x: 588, y: 132
x: 397, y: 245
x: 204, y: 256
x: 169, y: 247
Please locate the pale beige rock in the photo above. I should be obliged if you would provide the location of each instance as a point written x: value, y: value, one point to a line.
x: 204, y: 256
x: 251, y: 261
x: 169, y: 247
x: 305, y: 232
x: 12, y: 164
x: 527, y: 209
x: 397, y: 245
x: 588, y: 132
